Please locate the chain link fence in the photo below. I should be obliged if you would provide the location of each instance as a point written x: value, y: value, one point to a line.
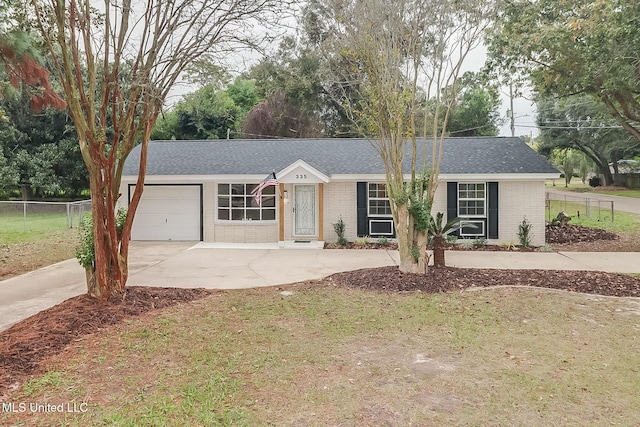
x: 573, y: 205
x: 29, y: 216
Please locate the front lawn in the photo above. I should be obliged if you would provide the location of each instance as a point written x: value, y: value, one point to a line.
x: 600, y: 217
x: 37, y: 242
x: 320, y: 354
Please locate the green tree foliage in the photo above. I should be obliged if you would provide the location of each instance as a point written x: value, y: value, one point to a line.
x: 297, y: 86
x: 475, y: 110
x: 209, y: 112
x: 40, y: 149
x: 575, y: 47
x: 290, y: 84
x: 582, y: 123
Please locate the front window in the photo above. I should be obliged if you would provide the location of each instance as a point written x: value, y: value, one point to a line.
x: 378, y: 200
x: 471, y: 199
x: 236, y: 203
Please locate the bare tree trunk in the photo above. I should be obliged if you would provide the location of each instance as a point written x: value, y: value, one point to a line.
x: 412, y: 244
x: 438, y: 251
x: 606, y: 173
x: 93, y: 290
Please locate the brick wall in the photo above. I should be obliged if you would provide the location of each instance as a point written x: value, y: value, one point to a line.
x: 518, y: 199
x: 340, y: 201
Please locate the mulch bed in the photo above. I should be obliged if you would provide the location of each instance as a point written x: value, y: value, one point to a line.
x: 575, y: 233
x: 448, y: 279
x: 25, y: 345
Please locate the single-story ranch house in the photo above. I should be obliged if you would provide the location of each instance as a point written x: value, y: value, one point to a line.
x: 202, y: 190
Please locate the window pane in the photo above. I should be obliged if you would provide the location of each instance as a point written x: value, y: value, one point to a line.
x: 223, y: 214
x: 268, y: 201
x: 237, y: 202
x: 253, y: 214
x: 269, y: 190
x: 250, y: 188
x: 373, y: 193
x: 237, y: 214
x: 223, y: 188
x: 223, y: 201
x: 251, y: 202
x: 237, y: 189
x: 268, y: 214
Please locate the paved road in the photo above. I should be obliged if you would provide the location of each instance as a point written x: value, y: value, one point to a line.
x: 190, y: 265
x: 624, y: 204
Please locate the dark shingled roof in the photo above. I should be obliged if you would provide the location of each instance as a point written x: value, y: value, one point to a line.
x: 473, y: 155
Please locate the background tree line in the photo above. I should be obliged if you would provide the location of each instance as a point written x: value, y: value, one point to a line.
x: 290, y: 93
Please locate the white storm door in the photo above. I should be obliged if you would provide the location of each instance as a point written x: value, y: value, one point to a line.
x: 304, y: 210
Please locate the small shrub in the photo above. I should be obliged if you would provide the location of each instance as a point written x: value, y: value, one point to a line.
x: 594, y: 181
x: 383, y: 241
x: 85, y: 250
x: 362, y: 241
x: 339, y: 228
x: 450, y: 238
x: 510, y: 245
x: 524, y: 232
x: 480, y: 241
x: 468, y: 243
x: 546, y: 248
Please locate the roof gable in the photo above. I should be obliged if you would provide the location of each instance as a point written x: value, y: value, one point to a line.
x: 301, y: 172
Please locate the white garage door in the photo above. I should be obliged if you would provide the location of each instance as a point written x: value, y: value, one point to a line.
x: 168, y: 212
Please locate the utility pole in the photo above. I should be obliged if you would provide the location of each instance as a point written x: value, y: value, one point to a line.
x: 513, y: 116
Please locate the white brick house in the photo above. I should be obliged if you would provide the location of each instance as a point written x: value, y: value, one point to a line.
x: 201, y: 190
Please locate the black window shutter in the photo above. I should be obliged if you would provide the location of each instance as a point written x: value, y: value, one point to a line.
x: 452, y: 202
x: 361, y: 205
x: 492, y: 232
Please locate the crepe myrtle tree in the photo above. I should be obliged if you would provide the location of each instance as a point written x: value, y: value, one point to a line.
x: 117, y: 61
x: 398, y: 57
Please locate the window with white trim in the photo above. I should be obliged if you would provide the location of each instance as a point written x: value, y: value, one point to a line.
x: 236, y: 203
x: 378, y: 200
x: 472, y: 199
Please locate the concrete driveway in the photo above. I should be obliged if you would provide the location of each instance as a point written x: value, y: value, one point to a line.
x: 184, y: 265
x: 190, y: 265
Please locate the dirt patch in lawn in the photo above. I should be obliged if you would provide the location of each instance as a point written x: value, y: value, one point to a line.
x: 22, y: 257
x: 25, y: 347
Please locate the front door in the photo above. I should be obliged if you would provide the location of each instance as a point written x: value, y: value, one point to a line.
x: 304, y: 210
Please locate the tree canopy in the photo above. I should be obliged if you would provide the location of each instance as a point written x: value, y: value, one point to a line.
x: 209, y: 112
x: 582, y: 123
x: 574, y: 47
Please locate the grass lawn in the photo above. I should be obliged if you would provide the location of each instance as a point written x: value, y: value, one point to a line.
x: 577, y: 186
x: 333, y: 356
x: 623, y: 222
x: 39, y: 241
x: 17, y: 229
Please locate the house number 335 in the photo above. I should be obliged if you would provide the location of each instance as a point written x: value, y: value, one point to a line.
x: 301, y: 176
